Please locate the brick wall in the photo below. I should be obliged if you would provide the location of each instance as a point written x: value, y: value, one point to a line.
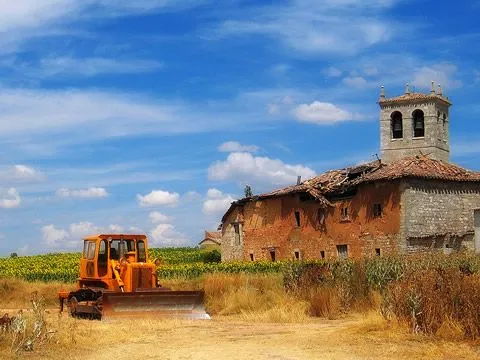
x: 270, y: 225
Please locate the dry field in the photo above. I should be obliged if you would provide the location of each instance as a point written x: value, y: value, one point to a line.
x: 253, y: 318
x: 354, y: 337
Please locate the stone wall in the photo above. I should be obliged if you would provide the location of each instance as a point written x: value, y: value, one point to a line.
x: 270, y: 225
x: 232, y: 244
x: 438, y: 214
x: 436, y: 139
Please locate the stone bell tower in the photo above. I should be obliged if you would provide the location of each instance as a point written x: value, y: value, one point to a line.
x: 414, y: 123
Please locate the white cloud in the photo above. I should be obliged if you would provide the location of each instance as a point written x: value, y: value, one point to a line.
x: 158, y: 218
x: 20, y: 173
x: 116, y: 229
x: 357, y: 82
x: 88, y: 67
x: 217, y: 202
x: 54, y: 237
x: 165, y: 235
x: 30, y: 111
x: 191, y: 196
x: 476, y: 75
x: 135, y: 230
x: 244, y: 167
x: 25, y: 19
x: 23, y: 251
x: 316, y: 26
x: 332, y: 72
x: 321, y: 113
x: 280, y: 69
x: 59, y: 238
x: 10, y: 199
x: 81, y: 229
x: 234, y: 146
x: 90, y: 193
x: 158, y: 197
x: 37, y: 117
x: 25, y: 172
x: 370, y: 70
x: 443, y: 74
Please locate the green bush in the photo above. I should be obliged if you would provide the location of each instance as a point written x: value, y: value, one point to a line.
x: 209, y: 257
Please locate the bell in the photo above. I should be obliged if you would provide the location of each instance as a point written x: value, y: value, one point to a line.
x: 418, y: 124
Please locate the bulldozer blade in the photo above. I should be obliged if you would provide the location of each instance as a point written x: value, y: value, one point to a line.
x: 163, y: 304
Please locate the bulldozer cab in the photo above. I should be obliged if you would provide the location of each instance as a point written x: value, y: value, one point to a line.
x: 100, y: 250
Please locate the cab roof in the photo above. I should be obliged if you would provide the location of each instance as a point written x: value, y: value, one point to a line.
x: 115, y: 236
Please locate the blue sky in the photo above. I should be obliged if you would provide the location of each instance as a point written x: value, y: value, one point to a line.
x: 152, y: 115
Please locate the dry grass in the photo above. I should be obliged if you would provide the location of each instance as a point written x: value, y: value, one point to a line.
x: 263, y: 321
x: 366, y: 336
x: 251, y: 297
x: 438, y: 300
x: 16, y: 294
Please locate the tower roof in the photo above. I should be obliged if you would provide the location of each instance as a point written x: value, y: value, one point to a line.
x: 413, y: 97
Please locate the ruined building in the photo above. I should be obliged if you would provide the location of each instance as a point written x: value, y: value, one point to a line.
x: 413, y: 199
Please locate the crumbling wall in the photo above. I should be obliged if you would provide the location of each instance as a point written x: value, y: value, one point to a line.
x: 232, y: 244
x: 270, y: 225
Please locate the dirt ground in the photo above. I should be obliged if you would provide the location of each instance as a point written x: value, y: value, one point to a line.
x: 226, y: 338
x: 354, y: 337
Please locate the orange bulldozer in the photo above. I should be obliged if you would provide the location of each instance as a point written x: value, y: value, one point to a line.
x: 117, y: 279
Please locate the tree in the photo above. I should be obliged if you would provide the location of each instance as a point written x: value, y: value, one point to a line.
x: 248, y: 191
x: 13, y: 255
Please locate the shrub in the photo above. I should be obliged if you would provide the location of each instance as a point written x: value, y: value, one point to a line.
x: 209, y: 257
x: 427, y: 299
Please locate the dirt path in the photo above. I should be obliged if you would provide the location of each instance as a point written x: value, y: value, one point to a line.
x: 227, y: 339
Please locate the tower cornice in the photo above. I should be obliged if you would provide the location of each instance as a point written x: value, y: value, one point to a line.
x: 413, y: 98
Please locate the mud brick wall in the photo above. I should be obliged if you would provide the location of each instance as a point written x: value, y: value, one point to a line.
x: 270, y: 225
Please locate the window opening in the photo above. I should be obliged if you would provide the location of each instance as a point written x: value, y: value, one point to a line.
x: 119, y: 247
x: 272, y: 255
x: 85, y: 248
x: 377, y: 210
x: 444, y: 126
x: 236, y: 227
x: 91, y: 250
x: 378, y: 252
x: 297, y: 255
x: 322, y: 254
x: 102, y: 258
x: 141, y: 253
x: 344, y: 212
x: 397, y: 125
x: 418, y: 124
x: 251, y: 257
x: 342, y: 251
x: 297, y: 218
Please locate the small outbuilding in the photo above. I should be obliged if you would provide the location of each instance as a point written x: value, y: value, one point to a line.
x: 211, y: 241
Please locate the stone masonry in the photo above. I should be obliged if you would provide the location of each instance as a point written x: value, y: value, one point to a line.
x: 435, y: 142
x: 439, y: 214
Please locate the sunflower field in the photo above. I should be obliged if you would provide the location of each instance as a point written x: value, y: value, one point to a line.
x: 189, y: 263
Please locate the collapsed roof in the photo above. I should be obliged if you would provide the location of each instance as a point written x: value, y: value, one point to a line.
x: 342, y: 180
